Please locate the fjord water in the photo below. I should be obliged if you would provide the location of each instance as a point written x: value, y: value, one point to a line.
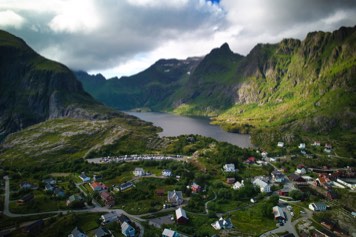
x: 174, y: 125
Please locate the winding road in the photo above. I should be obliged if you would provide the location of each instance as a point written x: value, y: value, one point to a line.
x: 8, y: 213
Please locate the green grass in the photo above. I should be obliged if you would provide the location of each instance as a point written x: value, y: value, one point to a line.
x: 251, y: 221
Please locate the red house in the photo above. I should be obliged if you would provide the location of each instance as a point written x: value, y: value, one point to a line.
x: 251, y: 160
x: 196, y: 188
x: 108, y: 199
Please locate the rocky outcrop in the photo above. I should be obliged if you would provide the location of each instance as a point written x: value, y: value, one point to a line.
x: 34, y: 89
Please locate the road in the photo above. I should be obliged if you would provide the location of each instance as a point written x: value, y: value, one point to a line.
x: 7, y: 212
x: 287, y: 227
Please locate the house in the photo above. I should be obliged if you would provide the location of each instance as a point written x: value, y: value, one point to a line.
x: 50, y: 181
x: 139, y: 172
x: 251, y: 160
x: 277, y: 176
x: 159, y: 192
x: 328, y: 148
x: 297, y: 179
x: 102, y: 232
x: 123, y: 218
x: 175, y: 197
x: 97, y: 186
x: 301, y: 171
x: 264, y: 187
x: 331, y: 194
x: 27, y: 185
x: 125, y: 186
x: 230, y: 180
x: 74, y: 198
x: 109, y: 217
x: 222, y: 224
x: 49, y: 187
x: 195, y: 188
x: 108, y: 199
x: 76, y: 232
x: 316, y: 143
x: 229, y: 168
x: 127, y: 230
x: 25, y: 199
x: 167, y: 173
x: 283, y: 192
x: 58, y: 192
x: 323, y: 181
x: 170, y: 233
x: 97, y: 177
x: 278, y: 213
x: 318, y: 206
x: 301, y: 146
x: 84, y: 178
x: 264, y: 154
x: 280, y: 144
x: 238, y: 185
x: 181, y: 216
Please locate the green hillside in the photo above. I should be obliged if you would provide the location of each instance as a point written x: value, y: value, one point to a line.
x: 291, y: 90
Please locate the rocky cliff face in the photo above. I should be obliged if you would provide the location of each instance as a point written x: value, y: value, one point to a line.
x: 34, y: 89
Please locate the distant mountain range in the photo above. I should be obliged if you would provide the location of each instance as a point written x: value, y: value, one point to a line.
x: 34, y: 89
x: 305, y: 86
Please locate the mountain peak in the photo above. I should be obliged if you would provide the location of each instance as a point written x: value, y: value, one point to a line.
x: 225, y: 46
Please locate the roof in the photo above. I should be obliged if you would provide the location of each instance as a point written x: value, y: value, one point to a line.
x: 125, y: 226
x: 175, y: 195
x: 260, y: 183
x: 105, y: 195
x: 76, y: 232
x: 102, y: 232
x: 295, y: 177
x: 109, y: 215
x: 180, y: 212
x: 229, y: 166
x: 278, y: 212
x: 168, y: 233
x: 75, y: 197
x: 320, y: 205
x: 123, y: 218
x: 138, y: 169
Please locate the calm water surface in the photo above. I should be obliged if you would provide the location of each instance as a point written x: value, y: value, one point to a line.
x: 174, y: 125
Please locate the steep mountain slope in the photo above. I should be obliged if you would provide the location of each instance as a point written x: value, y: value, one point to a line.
x: 34, y: 89
x: 289, y: 90
x: 147, y: 89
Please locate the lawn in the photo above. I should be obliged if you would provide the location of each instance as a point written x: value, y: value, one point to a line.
x: 41, y: 203
x: 251, y: 221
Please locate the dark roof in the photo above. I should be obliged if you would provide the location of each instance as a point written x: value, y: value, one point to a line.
x: 102, y: 232
x: 123, y: 218
x: 27, y: 197
x: 77, y: 232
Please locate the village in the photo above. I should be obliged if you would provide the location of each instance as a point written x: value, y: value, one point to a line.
x: 180, y: 195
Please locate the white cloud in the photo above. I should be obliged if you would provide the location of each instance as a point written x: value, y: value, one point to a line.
x: 76, y: 16
x: 9, y: 18
x: 127, y: 36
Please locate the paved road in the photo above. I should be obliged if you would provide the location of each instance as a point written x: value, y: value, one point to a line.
x: 287, y: 227
x: 91, y: 210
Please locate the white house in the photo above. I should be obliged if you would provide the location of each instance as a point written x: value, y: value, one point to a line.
x: 139, y: 172
x: 280, y: 144
x: 84, y: 178
x: 301, y: 146
x: 222, y: 224
x: 175, y: 197
x: 169, y: 233
x: 238, y: 185
x: 318, y: 206
x: 300, y: 171
x: 109, y: 217
x: 264, y: 187
x: 166, y: 173
x: 229, y: 168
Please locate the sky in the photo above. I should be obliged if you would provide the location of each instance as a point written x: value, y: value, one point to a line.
x: 123, y: 37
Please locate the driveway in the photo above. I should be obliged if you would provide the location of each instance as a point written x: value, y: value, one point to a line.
x: 287, y: 227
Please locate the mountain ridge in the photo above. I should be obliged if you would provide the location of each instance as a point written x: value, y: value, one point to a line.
x: 34, y: 89
x: 304, y: 85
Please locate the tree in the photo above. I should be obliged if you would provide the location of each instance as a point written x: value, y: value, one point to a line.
x: 296, y: 194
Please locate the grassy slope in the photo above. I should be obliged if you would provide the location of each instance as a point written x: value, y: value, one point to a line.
x: 68, y: 138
